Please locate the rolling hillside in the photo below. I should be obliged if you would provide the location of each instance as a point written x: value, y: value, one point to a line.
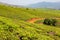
x: 14, y: 25
x: 27, y: 13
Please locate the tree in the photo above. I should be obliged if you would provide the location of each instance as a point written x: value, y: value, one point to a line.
x: 47, y: 22
x: 54, y: 21
x: 50, y: 22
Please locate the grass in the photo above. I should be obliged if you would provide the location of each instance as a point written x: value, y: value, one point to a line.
x: 13, y: 25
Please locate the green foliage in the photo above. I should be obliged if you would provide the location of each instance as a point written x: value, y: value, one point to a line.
x: 54, y: 22
x: 50, y: 22
x: 13, y: 25
x: 21, y: 30
x: 47, y: 22
x: 24, y: 14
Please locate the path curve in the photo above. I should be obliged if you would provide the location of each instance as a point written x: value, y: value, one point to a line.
x: 32, y: 20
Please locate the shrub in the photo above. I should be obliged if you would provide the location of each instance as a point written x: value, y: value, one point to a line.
x: 47, y: 22
x: 50, y: 22
x: 54, y: 21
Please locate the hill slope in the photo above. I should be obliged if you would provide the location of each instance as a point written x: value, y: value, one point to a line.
x: 27, y: 13
x: 10, y: 30
x: 14, y: 25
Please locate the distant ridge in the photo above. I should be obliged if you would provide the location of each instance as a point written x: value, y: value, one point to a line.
x: 55, y: 5
x: 52, y: 5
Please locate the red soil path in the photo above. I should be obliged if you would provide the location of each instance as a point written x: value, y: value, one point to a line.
x: 32, y: 20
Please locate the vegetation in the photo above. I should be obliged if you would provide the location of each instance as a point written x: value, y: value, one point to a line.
x: 14, y: 25
x: 50, y: 22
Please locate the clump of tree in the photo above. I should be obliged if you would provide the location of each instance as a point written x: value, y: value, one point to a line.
x: 50, y: 22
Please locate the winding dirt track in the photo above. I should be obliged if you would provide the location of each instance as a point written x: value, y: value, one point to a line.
x: 32, y: 20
